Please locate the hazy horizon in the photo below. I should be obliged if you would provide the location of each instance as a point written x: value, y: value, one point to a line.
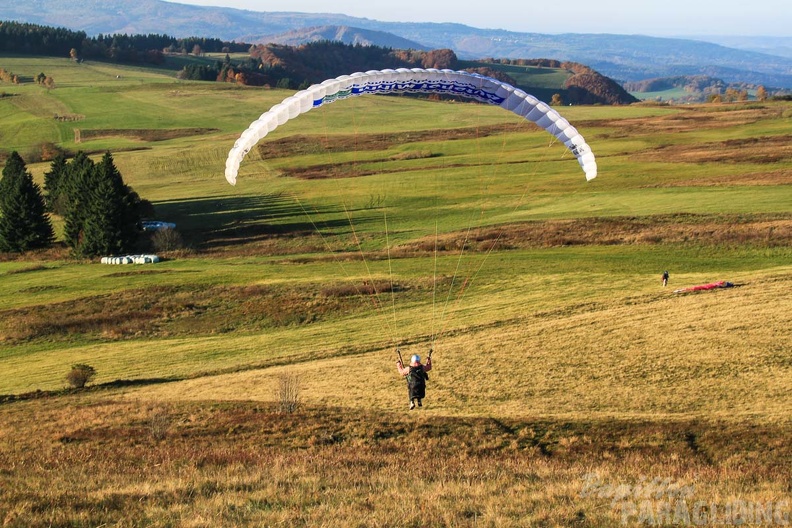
x: 673, y: 18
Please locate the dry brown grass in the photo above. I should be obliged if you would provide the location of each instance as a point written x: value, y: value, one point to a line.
x: 57, y: 252
x: 143, y: 134
x: 170, y: 311
x: 89, y: 460
x: 764, y: 230
x: 770, y: 177
x: 299, y: 144
x: 689, y: 119
x: 757, y: 150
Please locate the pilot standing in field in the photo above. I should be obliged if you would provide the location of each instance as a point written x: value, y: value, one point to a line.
x: 665, y: 278
x: 416, y: 378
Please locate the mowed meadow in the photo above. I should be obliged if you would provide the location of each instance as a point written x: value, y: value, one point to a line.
x: 569, y: 386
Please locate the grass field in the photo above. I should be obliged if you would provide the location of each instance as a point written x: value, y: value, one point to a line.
x: 569, y: 388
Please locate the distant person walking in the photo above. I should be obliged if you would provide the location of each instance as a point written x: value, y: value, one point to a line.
x: 416, y: 378
x: 665, y: 278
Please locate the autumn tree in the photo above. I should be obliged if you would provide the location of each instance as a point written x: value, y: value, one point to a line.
x: 761, y: 94
x: 440, y: 59
x: 24, y: 224
x: 8, y: 76
x: 556, y: 100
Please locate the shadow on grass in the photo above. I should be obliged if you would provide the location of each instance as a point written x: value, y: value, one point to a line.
x: 219, y: 221
x: 115, y: 384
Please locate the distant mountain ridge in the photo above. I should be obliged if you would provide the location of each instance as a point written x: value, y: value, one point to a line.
x: 779, y: 46
x: 345, y: 34
x: 622, y: 57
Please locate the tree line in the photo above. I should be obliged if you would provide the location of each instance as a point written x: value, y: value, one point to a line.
x: 249, y: 72
x: 317, y: 61
x: 101, y: 213
x: 34, y: 39
x: 297, y: 67
x: 701, y: 88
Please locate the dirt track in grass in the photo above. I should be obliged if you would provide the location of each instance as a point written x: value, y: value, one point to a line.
x: 301, y: 144
x: 758, y: 150
x: 143, y: 134
x: 687, y: 120
x: 764, y: 230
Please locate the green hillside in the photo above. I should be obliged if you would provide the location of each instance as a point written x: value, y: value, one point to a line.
x: 541, y: 82
x: 378, y: 222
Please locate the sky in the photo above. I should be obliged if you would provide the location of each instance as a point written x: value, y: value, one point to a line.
x: 647, y: 17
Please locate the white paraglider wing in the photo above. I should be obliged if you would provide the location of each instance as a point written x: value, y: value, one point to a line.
x: 416, y: 80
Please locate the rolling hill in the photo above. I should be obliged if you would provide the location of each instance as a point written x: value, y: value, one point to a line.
x: 345, y: 34
x: 622, y: 57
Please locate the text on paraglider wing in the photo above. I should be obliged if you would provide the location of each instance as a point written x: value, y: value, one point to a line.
x: 421, y: 86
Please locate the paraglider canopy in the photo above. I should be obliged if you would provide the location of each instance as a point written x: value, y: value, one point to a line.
x: 416, y: 80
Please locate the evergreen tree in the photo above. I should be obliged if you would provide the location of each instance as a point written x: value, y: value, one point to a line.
x: 130, y: 202
x: 103, y: 215
x: 15, y: 165
x: 52, y: 184
x: 24, y: 223
x: 103, y: 230
x: 73, y: 197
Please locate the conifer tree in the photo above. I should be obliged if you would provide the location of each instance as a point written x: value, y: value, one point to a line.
x: 103, y: 212
x: 74, y: 197
x: 102, y: 230
x: 53, y: 181
x: 24, y: 224
x: 129, y: 216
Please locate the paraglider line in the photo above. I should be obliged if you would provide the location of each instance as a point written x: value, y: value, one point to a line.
x: 376, y: 303
x: 390, y: 269
x: 376, y: 300
x: 453, y: 281
x: 472, y: 276
x: 434, y: 285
